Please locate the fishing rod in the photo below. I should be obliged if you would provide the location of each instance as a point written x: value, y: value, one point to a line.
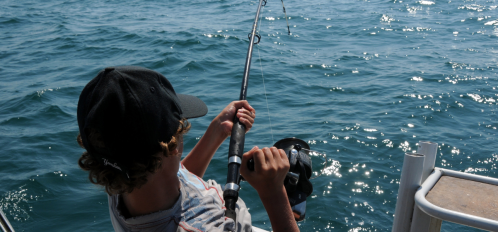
x: 237, y: 139
x: 5, y: 225
x: 236, y: 147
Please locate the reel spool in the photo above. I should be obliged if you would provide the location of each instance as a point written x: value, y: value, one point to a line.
x: 297, y: 183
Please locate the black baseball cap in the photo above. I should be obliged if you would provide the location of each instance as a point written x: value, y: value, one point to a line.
x: 133, y: 109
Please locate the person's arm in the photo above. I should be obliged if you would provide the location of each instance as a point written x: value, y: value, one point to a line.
x: 270, y: 168
x: 220, y: 128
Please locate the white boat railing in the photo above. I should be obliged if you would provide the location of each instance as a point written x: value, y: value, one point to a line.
x: 450, y: 215
x: 417, y: 214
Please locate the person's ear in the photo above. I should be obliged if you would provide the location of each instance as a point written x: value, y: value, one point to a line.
x: 174, y: 152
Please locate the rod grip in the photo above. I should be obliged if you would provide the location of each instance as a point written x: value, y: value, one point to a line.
x: 230, y: 205
x: 237, y: 139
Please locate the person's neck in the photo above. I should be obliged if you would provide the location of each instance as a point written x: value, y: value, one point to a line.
x: 159, y: 193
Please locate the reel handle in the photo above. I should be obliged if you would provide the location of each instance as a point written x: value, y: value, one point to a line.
x: 250, y: 163
x: 293, y: 177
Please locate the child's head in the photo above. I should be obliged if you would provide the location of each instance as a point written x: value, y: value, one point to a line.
x: 127, y: 116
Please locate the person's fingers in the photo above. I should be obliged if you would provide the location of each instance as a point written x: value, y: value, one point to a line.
x: 270, y: 160
x: 248, y: 121
x: 244, y: 170
x: 245, y: 104
x: 246, y: 118
x: 248, y: 113
x: 248, y: 155
x: 282, y: 154
x: 279, y: 163
x: 259, y: 160
x: 284, y: 159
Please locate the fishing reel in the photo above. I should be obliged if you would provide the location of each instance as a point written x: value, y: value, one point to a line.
x: 297, y: 183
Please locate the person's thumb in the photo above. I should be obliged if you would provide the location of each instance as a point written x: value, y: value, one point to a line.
x: 244, y: 170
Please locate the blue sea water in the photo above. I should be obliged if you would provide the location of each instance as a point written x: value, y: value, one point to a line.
x: 362, y: 81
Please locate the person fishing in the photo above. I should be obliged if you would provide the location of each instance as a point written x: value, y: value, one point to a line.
x: 131, y: 123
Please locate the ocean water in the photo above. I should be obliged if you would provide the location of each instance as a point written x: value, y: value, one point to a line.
x: 362, y: 81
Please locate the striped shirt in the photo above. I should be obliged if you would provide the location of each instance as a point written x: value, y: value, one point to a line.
x: 200, y: 207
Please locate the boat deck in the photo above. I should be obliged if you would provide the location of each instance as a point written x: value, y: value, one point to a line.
x: 465, y: 196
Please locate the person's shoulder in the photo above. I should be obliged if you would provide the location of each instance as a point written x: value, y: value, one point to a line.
x: 188, y: 178
x: 202, y: 204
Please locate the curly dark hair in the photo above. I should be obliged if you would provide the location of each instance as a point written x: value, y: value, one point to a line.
x: 113, y: 181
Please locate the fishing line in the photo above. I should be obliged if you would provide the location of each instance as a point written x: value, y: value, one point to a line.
x: 262, y: 76
x: 261, y: 65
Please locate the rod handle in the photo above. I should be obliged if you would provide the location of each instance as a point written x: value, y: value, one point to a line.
x: 237, y: 139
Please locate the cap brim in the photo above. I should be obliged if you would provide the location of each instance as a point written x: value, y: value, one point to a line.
x: 192, y: 107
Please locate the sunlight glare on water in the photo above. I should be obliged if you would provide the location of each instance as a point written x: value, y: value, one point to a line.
x: 363, y: 82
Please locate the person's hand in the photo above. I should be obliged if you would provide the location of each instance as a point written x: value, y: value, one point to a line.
x: 270, y: 168
x: 245, y: 113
